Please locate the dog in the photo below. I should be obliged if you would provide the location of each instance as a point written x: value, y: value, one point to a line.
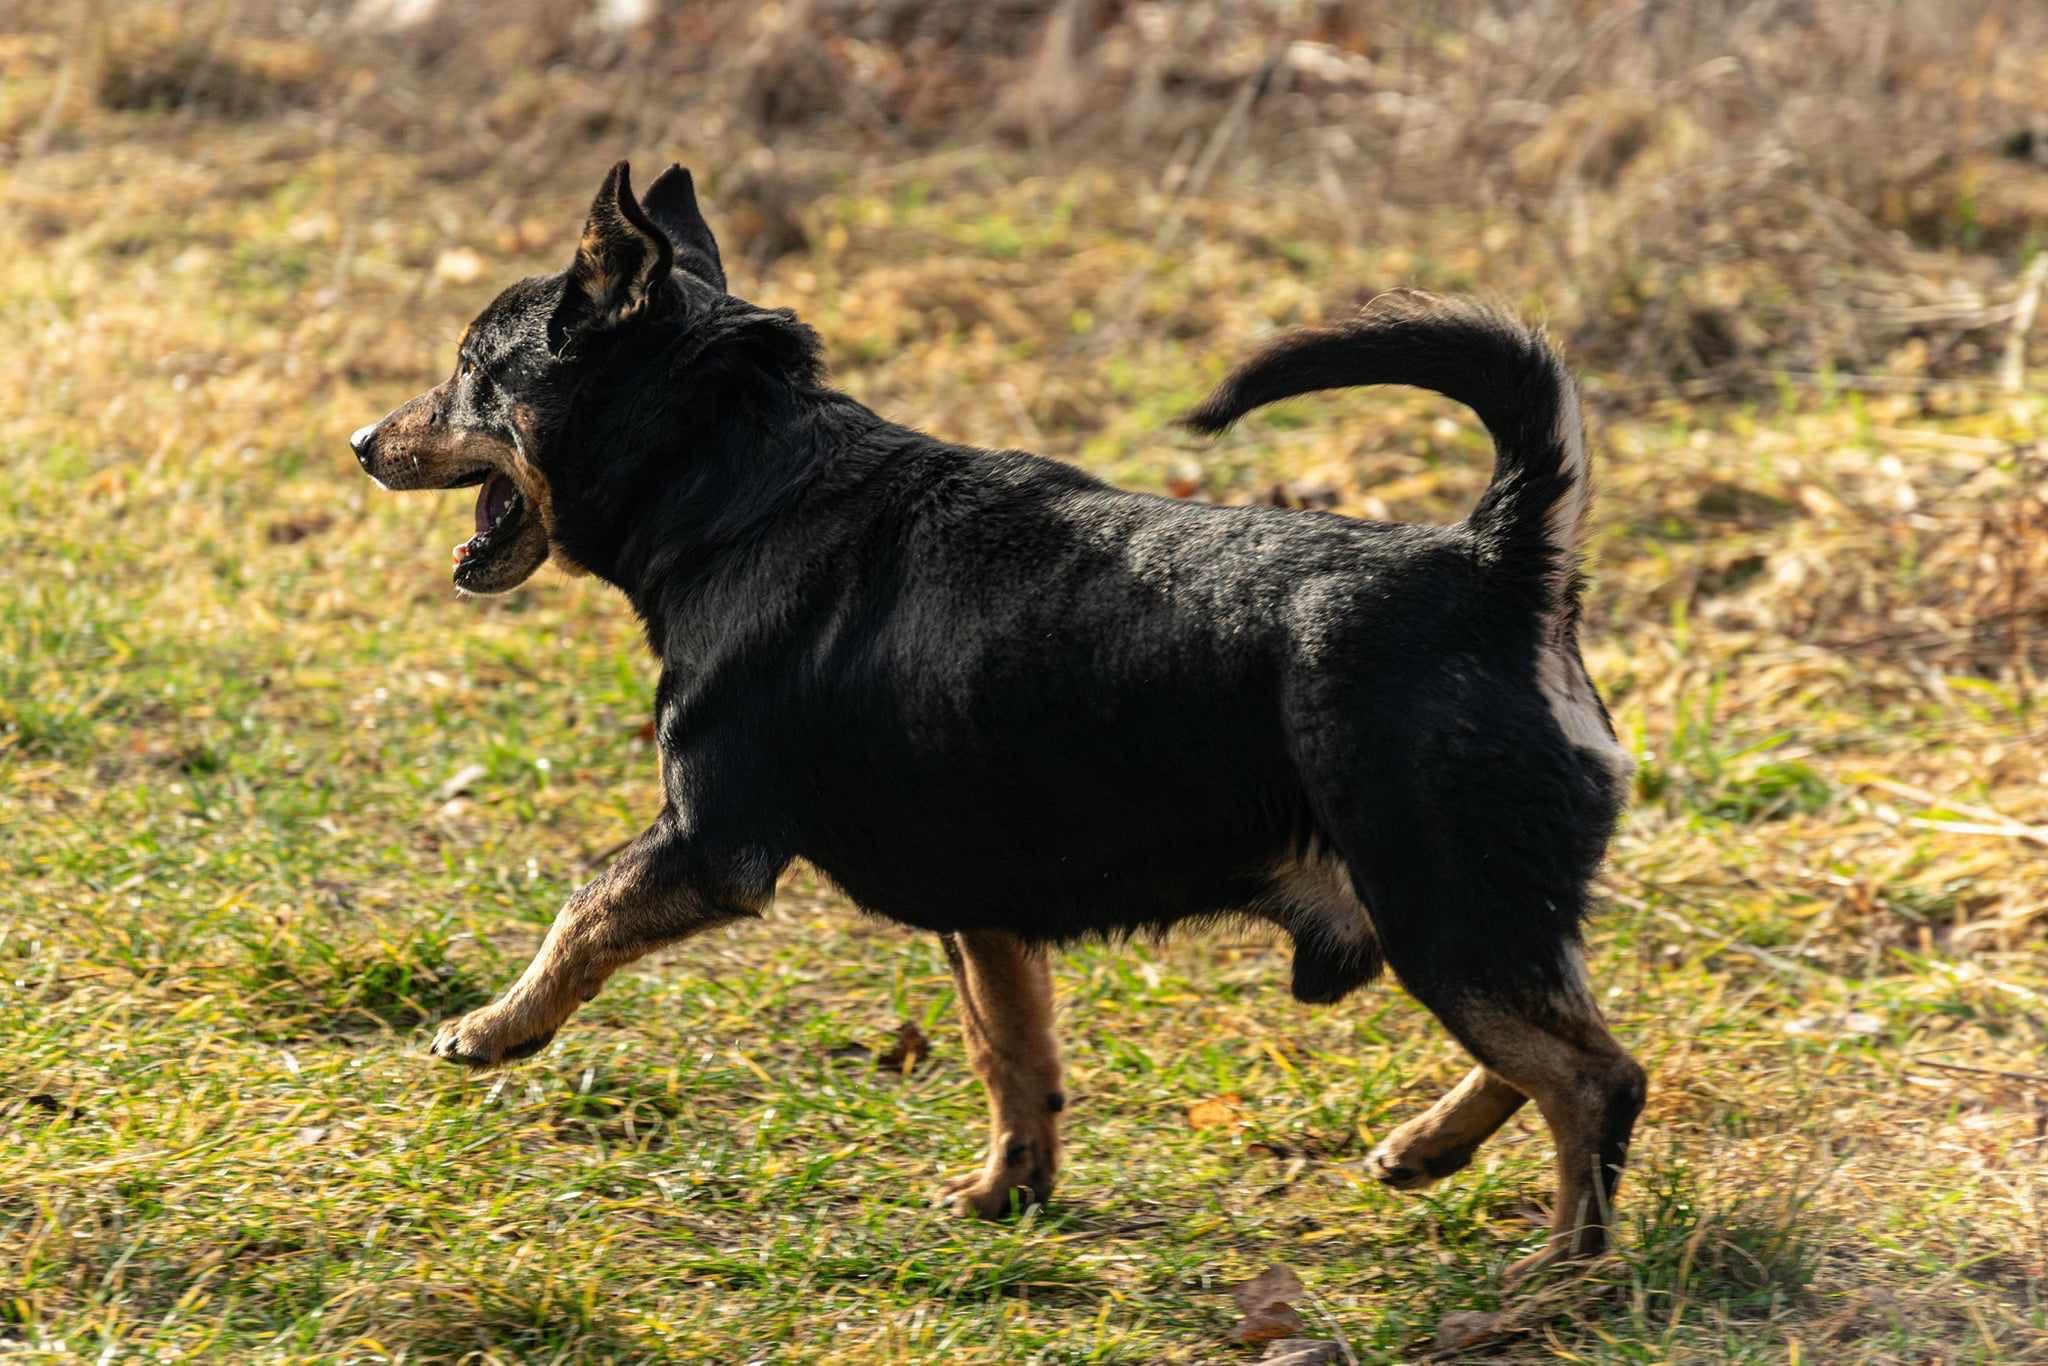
x: 992, y: 697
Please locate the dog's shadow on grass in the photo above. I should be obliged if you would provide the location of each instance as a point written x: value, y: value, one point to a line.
x: 1719, y: 1255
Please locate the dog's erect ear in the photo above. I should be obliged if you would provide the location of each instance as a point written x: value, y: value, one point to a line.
x: 671, y: 201
x: 621, y: 265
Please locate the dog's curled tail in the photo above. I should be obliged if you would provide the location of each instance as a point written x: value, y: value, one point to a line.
x: 1532, y: 518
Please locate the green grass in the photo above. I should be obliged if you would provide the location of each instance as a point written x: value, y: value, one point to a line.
x: 233, y: 681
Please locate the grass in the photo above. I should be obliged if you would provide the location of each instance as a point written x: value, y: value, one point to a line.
x: 234, y: 689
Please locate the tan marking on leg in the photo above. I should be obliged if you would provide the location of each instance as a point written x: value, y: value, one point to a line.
x: 1589, y: 1091
x: 1442, y: 1139
x: 539, y: 494
x: 1007, y: 1017
x: 623, y: 913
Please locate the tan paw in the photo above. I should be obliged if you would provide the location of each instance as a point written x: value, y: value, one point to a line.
x: 487, y: 1037
x: 1002, y: 1187
x: 1410, y: 1166
x: 986, y: 1196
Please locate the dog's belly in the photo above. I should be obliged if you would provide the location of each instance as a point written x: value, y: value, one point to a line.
x: 1050, y: 892
x: 1046, y: 895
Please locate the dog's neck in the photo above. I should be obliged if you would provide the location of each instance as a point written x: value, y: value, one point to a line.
x: 705, y: 436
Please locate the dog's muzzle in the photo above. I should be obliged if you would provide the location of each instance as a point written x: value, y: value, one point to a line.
x: 362, y: 440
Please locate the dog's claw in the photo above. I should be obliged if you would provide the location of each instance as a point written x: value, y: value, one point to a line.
x: 1397, y: 1167
x: 1392, y: 1173
x: 470, y: 1041
x: 987, y: 1195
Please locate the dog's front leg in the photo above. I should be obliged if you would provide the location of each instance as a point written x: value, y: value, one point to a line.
x: 663, y: 887
x: 1005, y: 990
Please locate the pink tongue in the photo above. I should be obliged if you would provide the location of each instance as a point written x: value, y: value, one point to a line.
x: 491, y: 501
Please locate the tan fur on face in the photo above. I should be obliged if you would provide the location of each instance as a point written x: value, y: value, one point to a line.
x: 533, y: 485
x: 417, y: 449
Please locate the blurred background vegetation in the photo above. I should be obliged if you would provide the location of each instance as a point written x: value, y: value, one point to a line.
x: 274, y: 802
x: 1706, y: 192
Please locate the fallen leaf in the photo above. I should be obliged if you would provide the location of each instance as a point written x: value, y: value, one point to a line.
x: 1468, y: 1328
x: 1819, y: 502
x: 1856, y: 1024
x: 911, y: 1048
x: 1302, y: 1352
x: 1264, y: 1301
x: 1218, y: 1112
x: 1307, y: 493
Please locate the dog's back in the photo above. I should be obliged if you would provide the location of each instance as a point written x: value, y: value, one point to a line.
x: 1109, y: 711
x: 1101, y: 711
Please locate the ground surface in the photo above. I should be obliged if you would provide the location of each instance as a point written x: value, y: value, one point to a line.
x: 274, y: 802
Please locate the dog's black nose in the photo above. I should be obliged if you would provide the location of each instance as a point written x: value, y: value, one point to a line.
x: 359, y: 442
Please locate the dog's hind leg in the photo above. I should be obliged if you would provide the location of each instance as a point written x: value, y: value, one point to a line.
x: 1534, y: 1027
x: 1005, y: 989
x: 1589, y: 1090
x: 663, y: 887
x: 1443, y: 1138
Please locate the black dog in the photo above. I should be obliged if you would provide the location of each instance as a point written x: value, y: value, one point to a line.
x: 991, y: 697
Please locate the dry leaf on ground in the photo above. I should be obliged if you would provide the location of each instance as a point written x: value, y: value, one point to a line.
x: 910, y: 1049
x: 1265, y: 1302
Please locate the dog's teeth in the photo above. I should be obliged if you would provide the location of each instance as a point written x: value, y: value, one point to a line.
x: 462, y: 552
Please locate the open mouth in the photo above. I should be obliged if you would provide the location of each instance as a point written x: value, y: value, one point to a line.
x: 499, y: 511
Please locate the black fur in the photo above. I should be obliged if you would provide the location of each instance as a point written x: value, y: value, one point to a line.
x: 979, y: 689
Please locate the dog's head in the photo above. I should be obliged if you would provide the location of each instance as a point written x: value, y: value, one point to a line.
x: 498, y: 422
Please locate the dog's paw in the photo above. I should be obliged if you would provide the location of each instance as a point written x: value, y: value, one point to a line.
x: 485, y: 1038
x: 1020, y: 1177
x: 1387, y: 1168
x: 1406, y: 1166
x: 988, y: 1195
